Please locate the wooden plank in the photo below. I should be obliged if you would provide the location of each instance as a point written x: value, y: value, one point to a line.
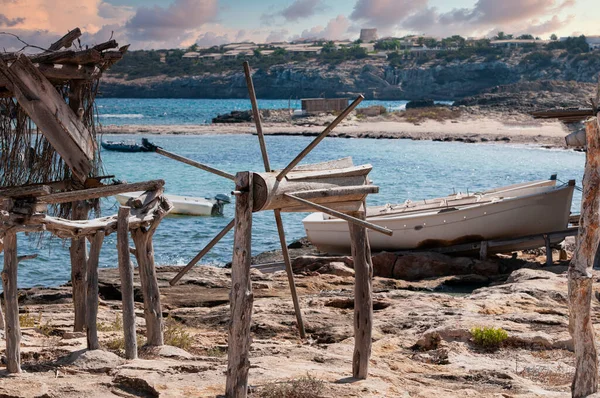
x: 27, y: 191
x: 126, y: 274
x: 68, y: 72
x: 319, y: 138
x: 363, y: 300
x: 9, y: 284
x: 581, y: 328
x: 241, y: 298
x: 91, y: 313
x: 347, y: 172
x: 66, y: 41
x: 359, y: 190
x: 101, y: 192
x: 290, y: 273
x: 106, y: 45
x: 51, y: 114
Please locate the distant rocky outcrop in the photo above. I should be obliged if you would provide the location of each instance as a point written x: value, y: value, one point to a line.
x: 375, y: 79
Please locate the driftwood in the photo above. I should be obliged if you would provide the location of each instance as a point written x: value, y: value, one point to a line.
x: 238, y: 362
x: 585, y: 381
x: 9, y: 283
x: 363, y: 300
x: 100, y: 192
x: 144, y: 253
x: 91, y: 313
x: 56, y: 121
x: 66, y: 41
x: 126, y: 274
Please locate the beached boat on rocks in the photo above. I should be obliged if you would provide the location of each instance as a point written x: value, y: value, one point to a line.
x: 187, y: 205
x: 513, y: 211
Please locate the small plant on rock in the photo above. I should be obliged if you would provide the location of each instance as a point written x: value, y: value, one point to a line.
x: 176, y: 335
x: 488, y: 338
x: 302, y: 387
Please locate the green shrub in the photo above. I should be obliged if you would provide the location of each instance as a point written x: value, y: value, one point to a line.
x: 488, y: 338
x: 176, y: 335
x: 303, y: 387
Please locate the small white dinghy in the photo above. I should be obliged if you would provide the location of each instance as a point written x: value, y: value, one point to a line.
x: 518, y: 210
x: 187, y: 205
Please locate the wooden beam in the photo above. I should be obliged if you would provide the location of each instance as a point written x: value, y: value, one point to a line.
x: 68, y: 72
x: 66, y: 41
x: 126, y: 274
x: 241, y: 299
x: 27, y: 191
x: 9, y: 284
x: 581, y: 328
x: 101, y: 192
x: 106, y: 45
x: 363, y: 300
x: 91, y: 313
x: 44, y: 105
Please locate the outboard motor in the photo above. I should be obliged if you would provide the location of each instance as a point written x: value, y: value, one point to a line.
x: 220, y: 201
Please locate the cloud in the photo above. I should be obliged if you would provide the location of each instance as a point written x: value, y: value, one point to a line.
x: 337, y: 28
x: 301, y: 9
x: 9, y: 23
x: 417, y: 16
x: 385, y: 13
x: 277, y: 35
x: 210, y: 39
x: 158, y: 23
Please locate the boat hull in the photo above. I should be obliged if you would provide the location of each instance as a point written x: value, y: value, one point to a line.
x: 544, y: 211
x: 183, y: 205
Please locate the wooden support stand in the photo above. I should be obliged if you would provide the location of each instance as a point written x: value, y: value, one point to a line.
x: 91, y: 313
x: 9, y: 283
x: 144, y: 253
x: 581, y: 327
x: 363, y: 301
x: 78, y: 251
x: 238, y: 363
x: 126, y: 274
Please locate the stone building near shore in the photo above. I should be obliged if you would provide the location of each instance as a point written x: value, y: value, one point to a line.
x: 368, y: 35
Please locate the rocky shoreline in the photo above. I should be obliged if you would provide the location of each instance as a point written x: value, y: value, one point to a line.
x: 474, y: 125
x: 422, y: 334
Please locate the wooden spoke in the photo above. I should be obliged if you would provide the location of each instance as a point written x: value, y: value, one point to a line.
x: 191, y: 162
x: 202, y: 253
x: 257, y: 119
x: 343, y: 216
x: 319, y: 138
x: 290, y: 273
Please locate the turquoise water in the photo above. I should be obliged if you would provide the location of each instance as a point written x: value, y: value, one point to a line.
x: 402, y: 168
x: 122, y: 111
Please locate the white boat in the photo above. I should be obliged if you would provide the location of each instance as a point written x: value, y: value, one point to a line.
x: 186, y: 205
x: 508, y: 212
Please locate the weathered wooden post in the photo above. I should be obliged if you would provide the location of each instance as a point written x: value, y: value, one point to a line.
x: 9, y: 283
x: 1, y: 313
x: 585, y: 381
x: 78, y: 252
x: 92, y: 291
x: 126, y: 273
x: 238, y: 363
x: 144, y: 253
x: 363, y: 300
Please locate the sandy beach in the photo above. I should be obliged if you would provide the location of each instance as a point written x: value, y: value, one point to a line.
x: 519, y: 129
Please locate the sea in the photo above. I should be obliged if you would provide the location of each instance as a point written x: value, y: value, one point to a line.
x: 403, y: 169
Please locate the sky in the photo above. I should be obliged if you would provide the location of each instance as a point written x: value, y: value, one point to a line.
x: 159, y: 24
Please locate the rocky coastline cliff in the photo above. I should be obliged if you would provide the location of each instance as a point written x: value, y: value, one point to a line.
x: 376, y: 79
